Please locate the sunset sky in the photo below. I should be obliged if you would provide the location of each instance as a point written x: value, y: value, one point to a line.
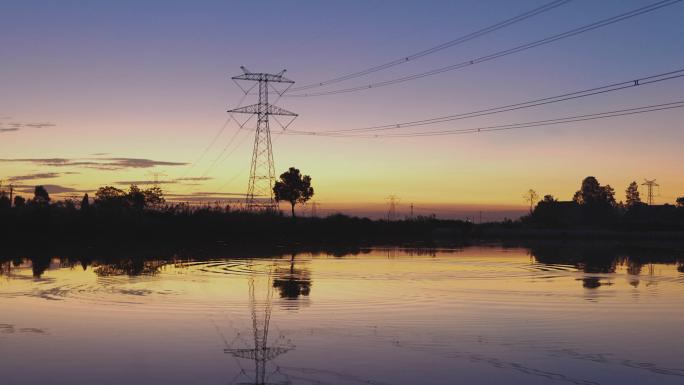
x: 97, y: 93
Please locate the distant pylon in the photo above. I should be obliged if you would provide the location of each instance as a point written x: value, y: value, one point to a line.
x: 650, y: 184
x: 392, y: 210
x: 155, y: 177
x: 314, y: 206
x: 262, y: 170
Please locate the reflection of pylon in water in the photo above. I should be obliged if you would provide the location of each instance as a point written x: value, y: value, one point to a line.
x: 261, y: 353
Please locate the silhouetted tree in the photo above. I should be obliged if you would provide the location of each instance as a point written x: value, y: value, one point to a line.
x: 85, y: 202
x: 5, y: 202
x: 608, y: 195
x: 19, y: 201
x: 109, y: 196
x: 680, y: 202
x: 41, y: 196
x: 591, y: 193
x: 136, y: 197
x: 293, y: 187
x: 531, y: 197
x: 154, y: 196
x: 632, y: 195
x: 549, y: 199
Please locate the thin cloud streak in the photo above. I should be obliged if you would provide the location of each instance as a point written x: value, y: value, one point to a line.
x: 43, y: 175
x: 99, y: 163
x: 53, y: 189
x: 16, y: 126
x: 170, y: 181
x: 144, y: 182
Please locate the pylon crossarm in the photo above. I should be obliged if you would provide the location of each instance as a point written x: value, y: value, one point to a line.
x: 284, y: 127
x: 256, y: 77
x: 245, y: 91
x: 281, y: 93
x: 255, y: 109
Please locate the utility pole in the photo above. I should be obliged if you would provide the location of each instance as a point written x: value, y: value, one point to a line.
x: 262, y: 170
x: 392, y: 211
x: 411, y: 210
x: 650, y: 184
x: 11, y: 187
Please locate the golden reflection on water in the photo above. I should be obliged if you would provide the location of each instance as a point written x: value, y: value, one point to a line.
x: 477, y: 315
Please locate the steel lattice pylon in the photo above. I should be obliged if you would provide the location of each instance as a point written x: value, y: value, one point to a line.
x: 262, y: 170
x: 261, y: 353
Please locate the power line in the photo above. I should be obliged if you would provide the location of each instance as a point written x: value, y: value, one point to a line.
x: 222, y: 152
x: 213, y: 141
x: 242, y: 171
x: 548, y: 122
x: 206, y: 149
x: 499, y: 54
x: 517, y: 106
x: 223, y: 155
x: 440, y: 47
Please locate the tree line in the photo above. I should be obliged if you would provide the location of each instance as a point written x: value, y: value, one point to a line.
x: 596, y: 205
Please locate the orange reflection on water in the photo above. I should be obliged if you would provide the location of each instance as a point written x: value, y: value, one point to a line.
x: 481, y: 315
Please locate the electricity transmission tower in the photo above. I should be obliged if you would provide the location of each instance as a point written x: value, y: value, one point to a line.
x: 11, y: 194
x: 650, y: 184
x: 155, y: 175
x: 262, y: 171
x: 261, y: 353
x: 392, y: 210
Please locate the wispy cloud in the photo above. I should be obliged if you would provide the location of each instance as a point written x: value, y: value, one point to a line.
x: 169, y: 181
x: 141, y: 163
x: 204, y: 196
x: 143, y: 182
x: 96, y: 163
x: 37, y: 176
x: 53, y: 189
x: 16, y: 126
x: 195, y: 178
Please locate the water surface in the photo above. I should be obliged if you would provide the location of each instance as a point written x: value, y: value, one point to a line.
x: 479, y: 315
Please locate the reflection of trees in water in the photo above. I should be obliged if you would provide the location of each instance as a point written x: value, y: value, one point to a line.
x: 39, y: 264
x: 6, y: 268
x: 596, y: 259
x: 292, y: 282
x: 130, y: 267
x: 418, y: 251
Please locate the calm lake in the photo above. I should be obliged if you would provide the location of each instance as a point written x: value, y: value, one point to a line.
x: 479, y: 315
